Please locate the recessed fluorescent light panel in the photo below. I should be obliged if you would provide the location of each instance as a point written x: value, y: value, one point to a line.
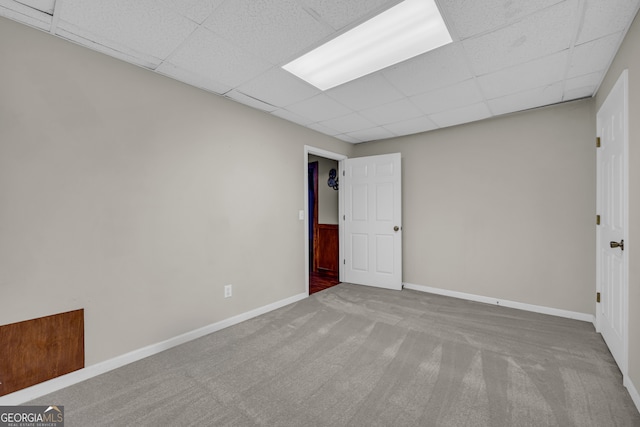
x: 408, y: 29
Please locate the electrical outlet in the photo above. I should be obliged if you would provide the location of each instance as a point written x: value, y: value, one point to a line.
x: 227, y: 291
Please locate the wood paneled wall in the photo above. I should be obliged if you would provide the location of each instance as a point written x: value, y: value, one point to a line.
x: 326, y: 249
x: 40, y: 349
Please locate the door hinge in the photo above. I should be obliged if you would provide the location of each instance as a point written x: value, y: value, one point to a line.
x: 344, y: 217
x: 598, y: 142
x: 597, y: 296
x: 344, y: 261
x: 343, y: 173
x: 597, y: 219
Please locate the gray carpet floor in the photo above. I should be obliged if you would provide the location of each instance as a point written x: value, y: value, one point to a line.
x: 359, y: 356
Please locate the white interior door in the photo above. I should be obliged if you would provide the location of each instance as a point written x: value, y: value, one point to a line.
x: 612, y: 259
x: 372, y: 221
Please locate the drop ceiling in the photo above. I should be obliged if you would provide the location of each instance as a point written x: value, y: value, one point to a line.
x: 506, y: 55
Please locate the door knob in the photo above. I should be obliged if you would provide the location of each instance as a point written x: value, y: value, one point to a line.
x: 396, y: 228
x: 617, y: 245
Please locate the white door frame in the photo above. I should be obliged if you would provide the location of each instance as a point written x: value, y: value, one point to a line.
x: 624, y: 80
x: 333, y: 156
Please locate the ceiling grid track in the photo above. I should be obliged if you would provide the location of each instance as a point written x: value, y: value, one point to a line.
x: 505, y: 56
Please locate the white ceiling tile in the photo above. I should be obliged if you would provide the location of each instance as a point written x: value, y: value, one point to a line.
x: 392, y: 112
x: 518, y: 53
x: 475, y: 17
x: 121, y: 52
x: 458, y: 116
x: 349, y: 123
x: 536, y: 73
x: 582, y: 86
x: 592, y: 79
x: 407, y: 127
x: 292, y: 117
x: 275, y: 30
x: 141, y: 25
x: 196, y: 10
x: 546, y: 32
x: 365, y: 92
x: 340, y: 13
x: 538, y: 97
x: 247, y: 100
x: 372, y: 134
x: 347, y: 138
x: 593, y: 56
x: 602, y: 18
x: 448, y: 98
x: 24, y: 14
x: 279, y: 87
x: 323, y: 129
x: 45, y: 6
x: 580, y: 92
x: 319, y: 108
x: 440, y: 67
x: 207, y: 54
x: 192, y: 79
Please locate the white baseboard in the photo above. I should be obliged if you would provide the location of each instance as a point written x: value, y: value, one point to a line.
x: 38, y: 390
x: 633, y: 391
x: 506, y: 303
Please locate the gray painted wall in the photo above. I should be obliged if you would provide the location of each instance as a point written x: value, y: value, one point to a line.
x: 503, y: 208
x: 138, y: 198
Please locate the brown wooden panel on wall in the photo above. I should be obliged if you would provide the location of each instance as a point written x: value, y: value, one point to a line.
x: 327, y: 249
x: 40, y: 349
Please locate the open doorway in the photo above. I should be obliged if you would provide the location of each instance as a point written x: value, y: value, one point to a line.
x: 323, y: 225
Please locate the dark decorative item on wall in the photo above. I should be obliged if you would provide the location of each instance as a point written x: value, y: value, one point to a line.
x: 333, y: 180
